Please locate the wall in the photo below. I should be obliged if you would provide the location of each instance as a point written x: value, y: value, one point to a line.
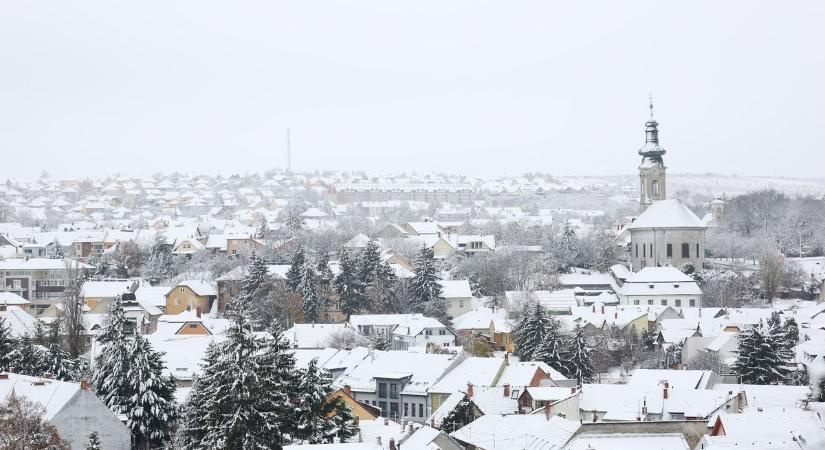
x: 84, y: 414
x: 185, y: 299
x: 692, y: 430
x: 660, y: 238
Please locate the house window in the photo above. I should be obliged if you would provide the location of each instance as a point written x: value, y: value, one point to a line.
x: 678, y: 302
x: 181, y: 290
x: 383, y: 406
x: 393, y: 390
x: 692, y: 302
x: 650, y: 302
x: 664, y: 302
x: 413, y: 410
x: 442, y: 332
x: 637, y: 250
x: 635, y: 302
x: 655, y: 188
x: 644, y: 251
x: 670, y: 250
x: 685, y: 250
x: 651, y: 250
x: 193, y: 325
x: 382, y: 390
x: 514, y: 394
x: 420, y: 410
x: 697, y: 250
x: 406, y: 409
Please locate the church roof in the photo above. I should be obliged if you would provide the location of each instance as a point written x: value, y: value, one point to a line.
x: 667, y: 214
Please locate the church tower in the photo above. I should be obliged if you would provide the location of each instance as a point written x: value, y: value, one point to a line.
x: 652, y: 170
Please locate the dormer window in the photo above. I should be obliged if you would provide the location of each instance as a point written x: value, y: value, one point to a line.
x: 676, y: 286
x: 650, y: 286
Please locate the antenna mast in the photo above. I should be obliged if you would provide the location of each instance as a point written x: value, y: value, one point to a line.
x: 288, y: 152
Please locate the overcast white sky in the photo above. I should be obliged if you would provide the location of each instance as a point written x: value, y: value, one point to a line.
x: 475, y: 87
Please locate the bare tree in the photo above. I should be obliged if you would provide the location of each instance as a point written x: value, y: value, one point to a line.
x: 22, y: 427
x: 346, y: 338
x: 71, y: 315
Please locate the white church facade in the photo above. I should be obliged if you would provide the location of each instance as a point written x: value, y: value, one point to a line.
x: 666, y: 233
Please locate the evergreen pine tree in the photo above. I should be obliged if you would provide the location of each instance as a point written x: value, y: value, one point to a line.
x: 549, y: 351
x: 7, y: 346
x: 369, y: 262
x: 309, y: 294
x: 110, y: 379
x: 150, y: 410
x: 819, y: 390
x: 195, y: 417
x: 530, y: 331
x: 29, y: 358
x: 425, y: 288
x: 316, y: 419
x: 325, y: 276
x: 94, y: 442
x: 293, y: 275
x: 59, y: 363
x: 279, y: 381
x: 579, y: 363
x: 348, y: 286
x: 760, y: 357
x: 379, y: 341
x: 237, y: 412
x: 256, y: 277
x: 458, y: 417
x: 791, y: 333
x: 381, y: 294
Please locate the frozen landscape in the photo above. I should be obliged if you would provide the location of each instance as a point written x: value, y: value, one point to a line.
x: 387, y: 226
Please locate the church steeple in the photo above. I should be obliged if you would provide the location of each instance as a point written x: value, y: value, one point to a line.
x: 652, y: 170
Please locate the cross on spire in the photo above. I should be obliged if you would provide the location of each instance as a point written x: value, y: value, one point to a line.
x: 650, y: 97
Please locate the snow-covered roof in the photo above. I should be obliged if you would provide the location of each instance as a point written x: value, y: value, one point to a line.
x: 685, y: 379
x: 769, y: 396
x: 528, y: 432
x: 10, y: 298
x: 667, y: 214
x: 52, y: 395
x: 619, y: 441
x: 18, y: 321
x: 455, y: 288
x: 423, y: 369
x: 478, y: 371
x: 106, y: 289
x: 313, y: 335
x: 198, y: 287
x: 39, y: 264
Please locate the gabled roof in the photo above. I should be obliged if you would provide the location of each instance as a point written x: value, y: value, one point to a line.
x: 667, y: 214
x: 198, y: 287
x: 52, y: 395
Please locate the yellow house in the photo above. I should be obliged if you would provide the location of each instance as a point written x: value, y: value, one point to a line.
x: 360, y: 411
x: 501, y: 333
x: 98, y: 295
x: 189, y: 296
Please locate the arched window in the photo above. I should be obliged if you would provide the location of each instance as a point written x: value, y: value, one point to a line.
x: 655, y: 188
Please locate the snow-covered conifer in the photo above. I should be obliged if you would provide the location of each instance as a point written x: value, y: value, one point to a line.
x: 293, y: 275
x: 579, y: 363
x: 549, y: 351
x: 530, y: 331
x: 150, y: 410
x: 760, y: 359
x: 348, y: 286
x: 7, y: 346
x: 110, y: 379
x: 307, y: 288
x: 94, y: 442
x: 317, y: 418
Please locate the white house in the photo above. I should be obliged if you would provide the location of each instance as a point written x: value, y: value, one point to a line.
x: 667, y: 233
x: 660, y: 286
x: 419, y: 331
x: 457, y: 296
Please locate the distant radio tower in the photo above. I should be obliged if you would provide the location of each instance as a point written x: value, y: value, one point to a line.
x: 288, y: 152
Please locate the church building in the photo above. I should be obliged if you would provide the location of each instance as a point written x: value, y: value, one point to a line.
x: 666, y: 233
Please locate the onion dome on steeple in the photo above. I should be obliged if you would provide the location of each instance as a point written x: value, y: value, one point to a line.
x: 652, y: 152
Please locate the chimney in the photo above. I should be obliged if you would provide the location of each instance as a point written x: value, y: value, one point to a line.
x: 470, y: 390
x: 507, y: 390
x: 548, y: 410
x: 594, y: 308
x: 84, y: 385
x: 3, y: 307
x: 595, y: 417
x: 602, y: 309
x: 392, y: 444
x: 572, y: 389
x: 616, y: 314
x: 4, y: 376
x: 411, y: 427
x: 386, y: 422
x: 432, y: 423
x: 38, y: 382
x: 664, y: 393
x: 347, y: 390
x: 48, y: 375
x: 644, y: 407
x: 506, y: 358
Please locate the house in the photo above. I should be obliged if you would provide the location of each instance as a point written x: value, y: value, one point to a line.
x: 560, y: 302
x: 473, y: 244
x: 396, y: 382
x: 190, y: 295
x: 187, y: 246
x: 38, y: 280
x: 429, y: 438
x: 190, y: 323
x: 457, y: 296
x: 18, y: 321
x: 313, y: 335
x: 420, y: 331
x: 778, y: 428
x: 98, y: 295
x: 661, y: 286
x: 72, y: 408
x: 667, y: 233
x: 361, y: 411
x: 472, y: 371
